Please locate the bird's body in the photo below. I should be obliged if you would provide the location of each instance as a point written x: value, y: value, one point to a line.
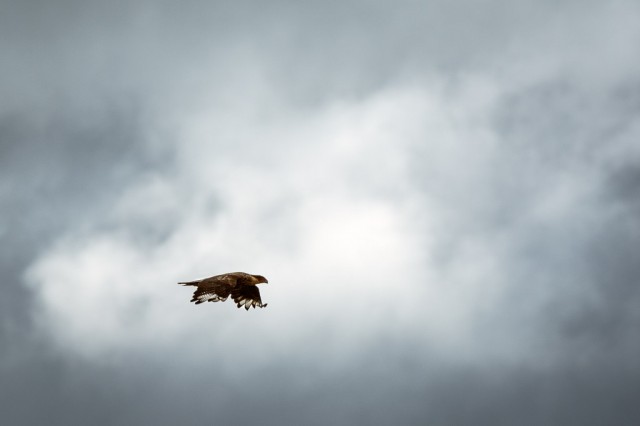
x: 239, y: 285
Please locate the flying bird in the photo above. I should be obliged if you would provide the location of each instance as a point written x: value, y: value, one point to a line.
x: 239, y: 285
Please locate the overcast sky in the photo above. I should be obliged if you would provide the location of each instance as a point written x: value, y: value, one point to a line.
x: 444, y: 196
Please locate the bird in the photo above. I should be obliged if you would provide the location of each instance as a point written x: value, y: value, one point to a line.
x: 239, y: 285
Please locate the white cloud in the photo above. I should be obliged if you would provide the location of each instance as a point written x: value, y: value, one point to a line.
x: 323, y: 207
x: 325, y: 204
x: 368, y: 216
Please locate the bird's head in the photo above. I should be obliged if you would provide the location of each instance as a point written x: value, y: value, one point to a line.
x: 260, y: 279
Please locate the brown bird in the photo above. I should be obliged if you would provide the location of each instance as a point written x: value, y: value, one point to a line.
x: 239, y: 285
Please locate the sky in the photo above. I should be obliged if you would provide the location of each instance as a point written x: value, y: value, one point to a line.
x: 444, y: 196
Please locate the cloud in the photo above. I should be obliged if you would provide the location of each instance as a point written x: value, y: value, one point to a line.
x: 442, y: 197
x: 316, y: 221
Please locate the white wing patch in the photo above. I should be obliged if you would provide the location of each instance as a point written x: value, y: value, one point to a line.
x: 249, y: 303
x: 208, y: 297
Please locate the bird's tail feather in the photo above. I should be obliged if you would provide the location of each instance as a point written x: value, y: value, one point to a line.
x: 190, y: 283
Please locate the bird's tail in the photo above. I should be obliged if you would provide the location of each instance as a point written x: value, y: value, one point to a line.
x: 195, y: 283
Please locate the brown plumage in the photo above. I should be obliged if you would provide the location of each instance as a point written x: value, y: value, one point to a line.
x: 239, y: 285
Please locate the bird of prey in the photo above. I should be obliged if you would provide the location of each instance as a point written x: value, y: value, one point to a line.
x: 239, y: 285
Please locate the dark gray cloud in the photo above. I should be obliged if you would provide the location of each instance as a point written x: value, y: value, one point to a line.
x: 458, y: 182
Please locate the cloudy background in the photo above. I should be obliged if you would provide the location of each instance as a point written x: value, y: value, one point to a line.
x: 445, y: 197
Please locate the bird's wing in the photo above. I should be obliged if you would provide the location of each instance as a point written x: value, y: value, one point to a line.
x: 247, y: 296
x: 214, y: 289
